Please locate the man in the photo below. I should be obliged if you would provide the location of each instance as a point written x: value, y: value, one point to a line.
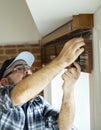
x: 21, y: 108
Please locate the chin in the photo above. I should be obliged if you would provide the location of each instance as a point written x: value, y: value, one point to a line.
x: 26, y: 76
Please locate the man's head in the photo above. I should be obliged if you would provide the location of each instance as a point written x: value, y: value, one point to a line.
x: 15, y: 69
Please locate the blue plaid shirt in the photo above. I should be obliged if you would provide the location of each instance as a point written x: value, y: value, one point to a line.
x: 40, y: 114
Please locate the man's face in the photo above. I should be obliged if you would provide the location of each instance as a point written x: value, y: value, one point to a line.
x: 17, y: 72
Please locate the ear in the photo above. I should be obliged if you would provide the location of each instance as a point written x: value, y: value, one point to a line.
x: 4, y: 81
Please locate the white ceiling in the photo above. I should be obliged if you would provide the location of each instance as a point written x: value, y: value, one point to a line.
x: 16, y: 23
x: 20, y: 23
x: 50, y: 14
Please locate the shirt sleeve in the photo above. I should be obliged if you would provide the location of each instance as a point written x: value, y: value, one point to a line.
x: 74, y: 128
x: 50, y: 115
x: 5, y: 101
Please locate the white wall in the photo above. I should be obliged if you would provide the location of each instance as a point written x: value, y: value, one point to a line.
x: 16, y: 23
x: 95, y: 83
x: 82, y: 119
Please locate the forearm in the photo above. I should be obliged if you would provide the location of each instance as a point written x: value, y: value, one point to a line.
x: 32, y: 85
x: 67, y: 112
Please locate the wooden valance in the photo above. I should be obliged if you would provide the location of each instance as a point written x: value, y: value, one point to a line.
x: 80, y: 26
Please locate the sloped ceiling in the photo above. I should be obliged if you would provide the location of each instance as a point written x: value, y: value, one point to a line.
x: 27, y: 21
x: 16, y: 23
x: 50, y: 14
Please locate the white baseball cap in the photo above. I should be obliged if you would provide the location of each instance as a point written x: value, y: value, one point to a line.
x: 25, y: 56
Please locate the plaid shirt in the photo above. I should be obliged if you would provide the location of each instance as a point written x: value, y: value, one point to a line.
x: 40, y: 114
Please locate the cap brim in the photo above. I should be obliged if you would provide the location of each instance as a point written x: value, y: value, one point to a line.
x: 26, y: 56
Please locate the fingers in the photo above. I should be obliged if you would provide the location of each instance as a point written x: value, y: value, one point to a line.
x: 71, y: 50
x: 78, y: 44
x: 77, y: 66
x: 66, y: 75
x: 73, y: 72
x: 79, y: 51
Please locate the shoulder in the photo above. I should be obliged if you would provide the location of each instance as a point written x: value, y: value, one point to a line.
x: 39, y: 101
x: 5, y: 100
x: 5, y: 90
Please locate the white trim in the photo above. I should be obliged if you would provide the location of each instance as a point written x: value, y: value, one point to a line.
x: 47, y: 93
x: 95, y: 89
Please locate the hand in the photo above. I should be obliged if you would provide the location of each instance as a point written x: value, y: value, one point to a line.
x: 70, y: 52
x: 70, y: 76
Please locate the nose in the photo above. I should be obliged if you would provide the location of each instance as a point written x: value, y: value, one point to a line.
x: 27, y: 70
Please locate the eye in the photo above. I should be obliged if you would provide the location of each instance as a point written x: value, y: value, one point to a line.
x: 18, y: 69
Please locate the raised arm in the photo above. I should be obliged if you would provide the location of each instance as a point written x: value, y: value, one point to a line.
x: 67, y: 112
x: 32, y: 85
